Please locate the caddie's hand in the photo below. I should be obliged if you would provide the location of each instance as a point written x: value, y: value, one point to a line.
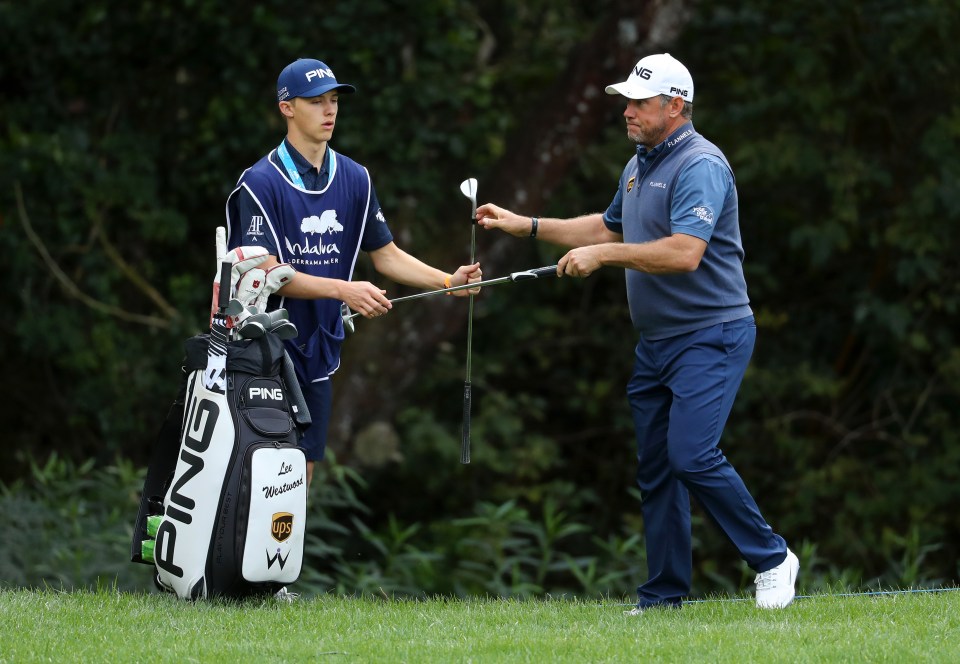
x: 492, y: 216
x: 580, y: 262
x: 466, y: 274
x: 365, y: 298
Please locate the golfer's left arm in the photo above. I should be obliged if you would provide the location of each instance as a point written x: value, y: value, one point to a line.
x: 669, y: 255
x: 702, y: 190
x: 397, y: 265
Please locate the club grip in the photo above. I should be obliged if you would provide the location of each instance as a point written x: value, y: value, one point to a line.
x: 548, y: 271
x: 225, y: 269
x: 465, y: 439
x: 301, y: 413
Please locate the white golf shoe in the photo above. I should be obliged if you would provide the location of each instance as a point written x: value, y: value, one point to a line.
x: 775, y: 587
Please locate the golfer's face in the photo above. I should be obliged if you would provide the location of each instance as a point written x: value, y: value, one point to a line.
x: 646, y: 121
x: 316, y: 116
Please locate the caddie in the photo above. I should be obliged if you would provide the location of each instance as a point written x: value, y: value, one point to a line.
x: 313, y: 209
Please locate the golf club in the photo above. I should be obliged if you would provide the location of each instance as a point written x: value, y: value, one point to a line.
x: 523, y: 275
x: 469, y: 189
x: 347, y: 318
x: 214, y: 377
x: 276, y: 321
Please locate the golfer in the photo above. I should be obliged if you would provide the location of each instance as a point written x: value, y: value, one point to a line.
x: 315, y: 209
x: 673, y: 225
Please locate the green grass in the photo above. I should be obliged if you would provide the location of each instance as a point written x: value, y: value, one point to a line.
x: 108, y: 626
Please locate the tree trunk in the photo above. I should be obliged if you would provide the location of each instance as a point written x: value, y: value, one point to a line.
x: 571, y: 114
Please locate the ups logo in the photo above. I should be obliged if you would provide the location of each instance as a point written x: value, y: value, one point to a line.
x: 281, y: 526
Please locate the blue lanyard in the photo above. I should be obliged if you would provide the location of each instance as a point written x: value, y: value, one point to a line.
x: 288, y: 164
x: 291, y: 168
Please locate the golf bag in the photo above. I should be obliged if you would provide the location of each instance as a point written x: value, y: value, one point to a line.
x: 223, y: 508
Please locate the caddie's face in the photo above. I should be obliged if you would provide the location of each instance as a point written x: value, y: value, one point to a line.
x: 315, y: 117
x: 647, y: 121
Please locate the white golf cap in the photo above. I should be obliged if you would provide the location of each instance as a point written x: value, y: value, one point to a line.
x: 659, y: 74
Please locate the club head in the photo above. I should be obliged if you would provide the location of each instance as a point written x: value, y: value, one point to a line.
x: 469, y: 189
x: 276, y: 316
x: 252, y: 330
x: 233, y: 308
x: 284, y: 329
x: 347, y: 317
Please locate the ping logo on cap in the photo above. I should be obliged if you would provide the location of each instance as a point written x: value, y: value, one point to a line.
x: 659, y: 74
x: 307, y: 77
x: 319, y: 73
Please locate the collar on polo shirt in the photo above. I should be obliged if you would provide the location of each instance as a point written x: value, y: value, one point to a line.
x: 682, y: 133
x: 311, y: 177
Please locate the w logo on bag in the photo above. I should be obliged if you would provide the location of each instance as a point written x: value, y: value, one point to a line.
x: 282, y: 526
x: 276, y: 559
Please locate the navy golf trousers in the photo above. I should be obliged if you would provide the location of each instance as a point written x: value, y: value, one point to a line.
x: 681, y: 393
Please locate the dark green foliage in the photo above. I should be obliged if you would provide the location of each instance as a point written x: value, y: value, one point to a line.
x: 69, y: 526
x: 838, y: 120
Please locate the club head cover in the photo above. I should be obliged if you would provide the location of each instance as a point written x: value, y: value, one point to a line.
x: 241, y: 258
x: 249, y: 286
x: 245, y: 258
x: 277, y: 277
x: 221, y: 245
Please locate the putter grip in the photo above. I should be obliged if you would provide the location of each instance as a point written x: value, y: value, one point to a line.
x: 465, y: 440
x: 225, y: 268
x: 301, y: 413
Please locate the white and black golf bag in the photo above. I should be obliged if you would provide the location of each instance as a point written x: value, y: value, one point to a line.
x: 223, y: 510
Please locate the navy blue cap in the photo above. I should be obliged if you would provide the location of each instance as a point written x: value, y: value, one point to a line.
x: 308, y: 78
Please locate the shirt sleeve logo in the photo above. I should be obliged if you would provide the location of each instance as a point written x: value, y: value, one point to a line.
x: 704, y: 214
x: 256, y: 226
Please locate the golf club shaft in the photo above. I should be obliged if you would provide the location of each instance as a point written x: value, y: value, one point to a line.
x: 467, y: 389
x: 547, y: 271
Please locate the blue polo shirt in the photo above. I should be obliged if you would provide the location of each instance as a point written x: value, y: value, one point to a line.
x: 684, y: 185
